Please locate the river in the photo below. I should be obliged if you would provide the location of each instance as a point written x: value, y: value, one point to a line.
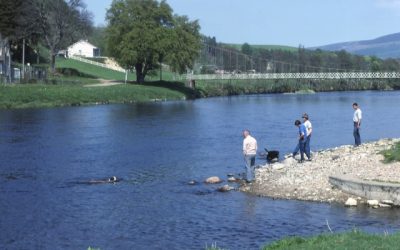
x: 157, y: 148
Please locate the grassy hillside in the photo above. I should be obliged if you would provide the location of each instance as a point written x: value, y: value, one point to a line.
x: 89, y: 70
x: 384, y: 47
x: 77, y: 68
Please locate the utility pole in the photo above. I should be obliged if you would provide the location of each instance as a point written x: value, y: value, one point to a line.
x: 126, y: 76
x: 23, y: 58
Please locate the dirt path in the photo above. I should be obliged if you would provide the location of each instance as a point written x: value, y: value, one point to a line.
x: 104, y: 83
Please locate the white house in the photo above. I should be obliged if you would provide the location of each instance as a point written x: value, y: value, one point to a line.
x: 83, y: 48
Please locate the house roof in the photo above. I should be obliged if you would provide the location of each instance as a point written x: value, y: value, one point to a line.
x: 84, y: 42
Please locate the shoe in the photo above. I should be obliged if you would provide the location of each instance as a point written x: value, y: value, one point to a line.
x: 309, y: 159
x: 300, y: 161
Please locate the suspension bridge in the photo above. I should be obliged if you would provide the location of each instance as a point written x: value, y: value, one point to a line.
x: 224, y: 63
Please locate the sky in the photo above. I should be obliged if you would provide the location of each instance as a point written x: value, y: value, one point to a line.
x: 283, y: 22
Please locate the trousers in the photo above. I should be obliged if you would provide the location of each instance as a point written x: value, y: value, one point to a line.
x: 250, y: 167
x: 356, y: 134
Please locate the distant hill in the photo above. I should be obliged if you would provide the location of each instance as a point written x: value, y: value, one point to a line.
x: 384, y: 47
x: 274, y: 47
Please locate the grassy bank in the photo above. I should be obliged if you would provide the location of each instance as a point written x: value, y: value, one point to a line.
x: 238, y: 87
x: 352, y: 240
x: 393, y: 154
x: 41, y: 95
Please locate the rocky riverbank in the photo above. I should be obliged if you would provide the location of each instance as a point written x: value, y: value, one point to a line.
x: 310, y: 180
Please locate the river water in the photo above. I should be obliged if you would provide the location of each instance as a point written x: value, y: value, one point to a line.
x: 157, y: 148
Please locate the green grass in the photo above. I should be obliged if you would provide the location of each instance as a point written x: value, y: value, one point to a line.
x: 91, y: 71
x: 41, y: 95
x: 354, y: 240
x: 67, y: 88
x: 392, y: 154
x: 210, y: 88
x: 78, y: 68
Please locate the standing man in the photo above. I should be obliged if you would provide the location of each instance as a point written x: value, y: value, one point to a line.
x: 308, y: 126
x: 249, y: 153
x: 302, y: 138
x: 357, y: 123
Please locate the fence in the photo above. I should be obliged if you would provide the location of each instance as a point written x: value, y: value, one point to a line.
x: 81, y: 59
x: 318, y: 75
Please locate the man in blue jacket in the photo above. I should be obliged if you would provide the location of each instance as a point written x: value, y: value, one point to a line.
x: 302, y: 138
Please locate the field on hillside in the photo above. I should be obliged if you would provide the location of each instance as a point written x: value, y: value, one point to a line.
x: 90, y: 71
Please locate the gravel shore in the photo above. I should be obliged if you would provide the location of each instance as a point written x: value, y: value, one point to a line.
x: 309, y: 180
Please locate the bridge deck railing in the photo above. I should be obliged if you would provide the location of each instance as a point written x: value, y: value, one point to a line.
x: 308, y: 75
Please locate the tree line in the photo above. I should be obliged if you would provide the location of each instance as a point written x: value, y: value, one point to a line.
x: 257, y: 59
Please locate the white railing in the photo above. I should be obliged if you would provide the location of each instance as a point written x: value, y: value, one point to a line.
x: 309, y: 75
x: 97, y: 63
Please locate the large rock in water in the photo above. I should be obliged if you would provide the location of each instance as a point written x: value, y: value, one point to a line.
x: 232, y: 179
x: 225, y: 188
x: 373, y: 203
x: 351, y: 202
x: 213, y: 180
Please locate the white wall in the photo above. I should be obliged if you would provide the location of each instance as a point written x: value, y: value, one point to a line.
x: 81, y: 48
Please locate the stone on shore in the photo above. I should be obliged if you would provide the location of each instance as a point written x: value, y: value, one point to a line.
x: 351, y: 202
x: 387, y: 202
x: 384, y: 205
x: 278, y: 166
x: 373, y: 203
x: 232, y: 179
x: 309, y: 180
x: 225, y: 188
x: 213, y: 180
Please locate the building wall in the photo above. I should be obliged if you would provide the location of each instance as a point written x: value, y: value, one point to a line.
x: 81, y: 48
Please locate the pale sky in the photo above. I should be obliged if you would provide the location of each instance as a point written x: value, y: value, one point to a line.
x: 283, y: 22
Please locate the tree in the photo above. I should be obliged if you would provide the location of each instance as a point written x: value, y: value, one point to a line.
x: 19, y: 24
x: 143, y: 33
x: 184, y: 44
x: 247, y: 49
x: 62, y: 23
x: 98, y: 38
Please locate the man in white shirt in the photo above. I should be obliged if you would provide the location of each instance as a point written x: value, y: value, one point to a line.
x: 249, y: 153
x: 308, y: 126
x: 357, y: 123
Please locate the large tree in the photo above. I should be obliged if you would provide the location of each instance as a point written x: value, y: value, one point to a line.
x: 143, y: 34
x: 18, y: 21
x: 62, y: 23
x: 58, y: 23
